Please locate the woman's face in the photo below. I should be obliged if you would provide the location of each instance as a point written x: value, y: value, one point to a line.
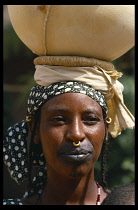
x: 68, y: 118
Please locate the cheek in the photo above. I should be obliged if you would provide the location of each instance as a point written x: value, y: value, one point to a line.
x: 97, y: 136
x: 50, y: 139
x: 97, y: 132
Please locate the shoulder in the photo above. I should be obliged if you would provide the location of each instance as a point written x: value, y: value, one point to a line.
x: 14, y: 201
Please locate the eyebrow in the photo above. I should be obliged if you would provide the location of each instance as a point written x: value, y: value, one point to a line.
x: 57, y: 110
x: 89, y: 111
x: 62, y: 110
x: 92, y: 111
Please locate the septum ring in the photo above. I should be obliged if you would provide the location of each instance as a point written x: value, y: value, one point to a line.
x: 76, y: 144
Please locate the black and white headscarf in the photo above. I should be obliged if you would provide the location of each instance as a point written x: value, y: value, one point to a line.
x: 15, y: 150
x: 40, y: 94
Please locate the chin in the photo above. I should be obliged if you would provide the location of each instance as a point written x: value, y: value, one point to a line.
x: 78, y: 171
x: 77, y: 174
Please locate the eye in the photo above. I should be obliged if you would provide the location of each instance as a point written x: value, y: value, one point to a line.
x: 58, y: 120
x: 91, y: 120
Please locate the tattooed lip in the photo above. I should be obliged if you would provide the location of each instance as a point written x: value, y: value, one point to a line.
x: 73, y: 154
x: 76, y: 157
x: 77, y: 151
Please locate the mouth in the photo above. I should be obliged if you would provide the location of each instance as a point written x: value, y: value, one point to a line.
x: 75, y: 155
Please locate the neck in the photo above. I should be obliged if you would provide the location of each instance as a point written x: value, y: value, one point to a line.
x: 66, y: 191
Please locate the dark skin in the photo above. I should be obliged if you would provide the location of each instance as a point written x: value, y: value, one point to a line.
x: 66, y: 118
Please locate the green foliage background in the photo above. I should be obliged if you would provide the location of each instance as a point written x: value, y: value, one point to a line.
x: 19, y: 70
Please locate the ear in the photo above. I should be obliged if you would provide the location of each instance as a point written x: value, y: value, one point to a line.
x: 107, y: 124
x: 31, y: 126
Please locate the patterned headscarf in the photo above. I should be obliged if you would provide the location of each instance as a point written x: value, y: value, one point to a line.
x: 40, y: 94
x: 15, y: 144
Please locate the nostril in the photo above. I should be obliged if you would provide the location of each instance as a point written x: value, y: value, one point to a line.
x: 75, y: 142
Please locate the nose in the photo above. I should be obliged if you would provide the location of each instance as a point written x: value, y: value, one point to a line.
x: 75, y: 131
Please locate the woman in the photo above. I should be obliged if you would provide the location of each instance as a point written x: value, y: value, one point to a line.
x: 71, y: 128
x: 68, y: 123
x: 68, y: 116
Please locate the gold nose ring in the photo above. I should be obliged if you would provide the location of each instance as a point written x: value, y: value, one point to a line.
x: 76, y: 144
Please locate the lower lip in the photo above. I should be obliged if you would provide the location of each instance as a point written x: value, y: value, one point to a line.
x: 76, y: 158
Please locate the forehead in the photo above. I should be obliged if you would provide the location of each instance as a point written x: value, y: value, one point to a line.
x: 72, y: 102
